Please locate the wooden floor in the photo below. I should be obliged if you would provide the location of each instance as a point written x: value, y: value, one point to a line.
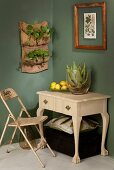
x: 19, y: 159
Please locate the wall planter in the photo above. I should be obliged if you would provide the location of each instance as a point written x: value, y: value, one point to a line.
x: 34, y: 42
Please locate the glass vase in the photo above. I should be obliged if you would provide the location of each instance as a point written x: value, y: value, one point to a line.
x: 77, y: 85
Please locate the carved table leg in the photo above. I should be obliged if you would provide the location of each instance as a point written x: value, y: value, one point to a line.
x: 41, y: 144
x: 76, y: 126
x: 105, y: 118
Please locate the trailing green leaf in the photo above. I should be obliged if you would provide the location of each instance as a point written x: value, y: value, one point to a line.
x: 29, y: 30
x: 37, y: 53
x: 39, y: 33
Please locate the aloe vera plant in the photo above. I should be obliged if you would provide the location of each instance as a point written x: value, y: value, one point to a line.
x: 78, y: 78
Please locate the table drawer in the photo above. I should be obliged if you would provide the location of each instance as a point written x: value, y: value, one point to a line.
x: 46, y: 102
x: 68, y: 108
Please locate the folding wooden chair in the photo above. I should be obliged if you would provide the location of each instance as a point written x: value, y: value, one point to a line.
x: 17, y: 123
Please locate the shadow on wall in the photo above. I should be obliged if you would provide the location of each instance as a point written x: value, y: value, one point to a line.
x: 93, y: 79
x: 33, y: 112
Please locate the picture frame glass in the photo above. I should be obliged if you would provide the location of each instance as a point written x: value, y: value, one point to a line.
x: 90, y: 25
x: 84, y: 36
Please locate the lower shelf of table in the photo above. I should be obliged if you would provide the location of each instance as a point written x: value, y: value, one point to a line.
x: 89, y: 142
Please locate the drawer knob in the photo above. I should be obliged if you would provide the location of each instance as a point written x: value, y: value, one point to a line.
x: 68, y: 107
x: 45, y: 101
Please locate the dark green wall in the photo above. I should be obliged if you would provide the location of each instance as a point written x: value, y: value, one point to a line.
x: 101, y: 62
x: 26, y: 85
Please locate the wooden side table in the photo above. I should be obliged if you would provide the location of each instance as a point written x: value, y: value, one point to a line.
x: 76, y: 106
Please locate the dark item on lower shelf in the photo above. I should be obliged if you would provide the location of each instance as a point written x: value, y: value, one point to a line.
x: 89, y: 142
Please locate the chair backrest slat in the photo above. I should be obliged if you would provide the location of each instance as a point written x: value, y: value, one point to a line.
x: 8, y: 93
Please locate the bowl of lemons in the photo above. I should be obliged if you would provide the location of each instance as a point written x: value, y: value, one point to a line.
x: 61, y: 86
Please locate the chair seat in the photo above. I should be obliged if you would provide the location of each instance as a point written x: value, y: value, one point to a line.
x: 28, y: 121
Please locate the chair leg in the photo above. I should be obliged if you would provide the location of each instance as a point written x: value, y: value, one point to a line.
x: 31, y: 147
x: 13, y: 135
x: 43, y: 139
x: 50, y: 149
x: 48, y: 146
x: 14, y: 132
x: 4, y: 130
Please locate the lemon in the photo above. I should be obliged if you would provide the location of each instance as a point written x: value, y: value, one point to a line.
x: 57, y: 87
x: 52, y: 87
x: 64, y: 87
x: 53, y: 83
x: 63, y: 83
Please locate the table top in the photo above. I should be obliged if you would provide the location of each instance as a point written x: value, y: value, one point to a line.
x: 76, y: 98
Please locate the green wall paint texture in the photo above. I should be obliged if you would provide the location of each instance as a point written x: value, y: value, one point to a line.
x: 59, y: 14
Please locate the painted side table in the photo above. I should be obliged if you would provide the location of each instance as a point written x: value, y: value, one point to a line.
x: 76, y: 106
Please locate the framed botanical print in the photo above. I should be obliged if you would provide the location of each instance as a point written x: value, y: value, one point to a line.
x: 90, y: 26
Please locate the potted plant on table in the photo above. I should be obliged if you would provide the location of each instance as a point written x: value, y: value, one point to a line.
x: 78, y: 78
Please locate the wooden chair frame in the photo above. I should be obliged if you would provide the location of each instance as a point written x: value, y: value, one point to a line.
x: 8, y: 94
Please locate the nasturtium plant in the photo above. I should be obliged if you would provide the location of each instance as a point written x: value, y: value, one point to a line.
x: 40, y: 32
x: 37, y: 53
